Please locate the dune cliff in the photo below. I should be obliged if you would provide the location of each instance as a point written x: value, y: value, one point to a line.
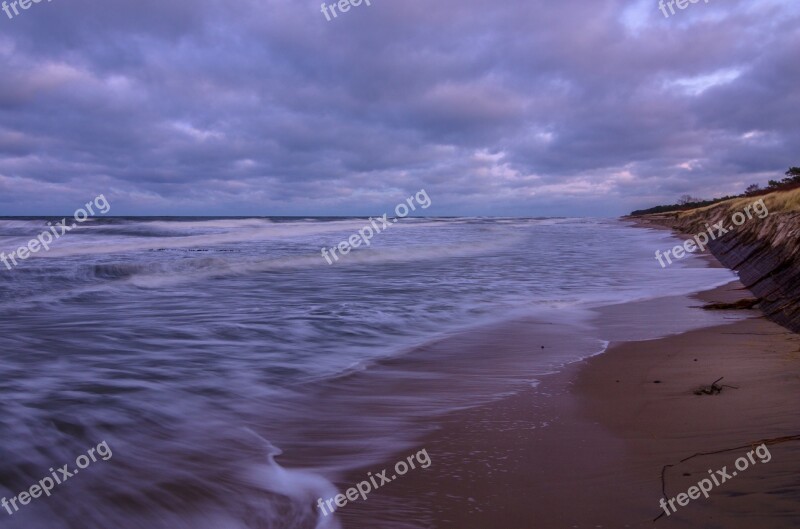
x: 764, y: 251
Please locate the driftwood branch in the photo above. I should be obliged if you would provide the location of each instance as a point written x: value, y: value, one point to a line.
x: 773, y: 441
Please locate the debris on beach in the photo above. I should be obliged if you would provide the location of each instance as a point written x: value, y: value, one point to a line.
x: 713, y: 389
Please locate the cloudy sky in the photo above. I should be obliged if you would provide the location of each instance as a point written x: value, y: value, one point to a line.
x: 517, y: 107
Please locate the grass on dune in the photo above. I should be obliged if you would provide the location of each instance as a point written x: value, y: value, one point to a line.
x: 776, y: 202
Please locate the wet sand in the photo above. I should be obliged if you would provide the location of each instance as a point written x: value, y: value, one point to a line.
x: 585, y: 449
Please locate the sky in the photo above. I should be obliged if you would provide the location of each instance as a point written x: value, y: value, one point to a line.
x: 501, y: 108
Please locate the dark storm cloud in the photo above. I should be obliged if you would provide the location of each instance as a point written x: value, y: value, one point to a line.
x: 264, y: 107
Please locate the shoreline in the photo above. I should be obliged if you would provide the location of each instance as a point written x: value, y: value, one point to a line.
x: 585, y: 448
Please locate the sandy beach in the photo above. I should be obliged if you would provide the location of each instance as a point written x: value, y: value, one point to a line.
x: 585, y: 449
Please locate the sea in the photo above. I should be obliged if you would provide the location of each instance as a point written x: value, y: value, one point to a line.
x: 237, y: 376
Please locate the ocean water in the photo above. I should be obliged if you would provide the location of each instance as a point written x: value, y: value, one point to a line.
x: 236, y: 375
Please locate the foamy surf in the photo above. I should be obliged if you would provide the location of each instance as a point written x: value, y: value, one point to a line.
x: 236, y: 322
x: 302, y: 487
